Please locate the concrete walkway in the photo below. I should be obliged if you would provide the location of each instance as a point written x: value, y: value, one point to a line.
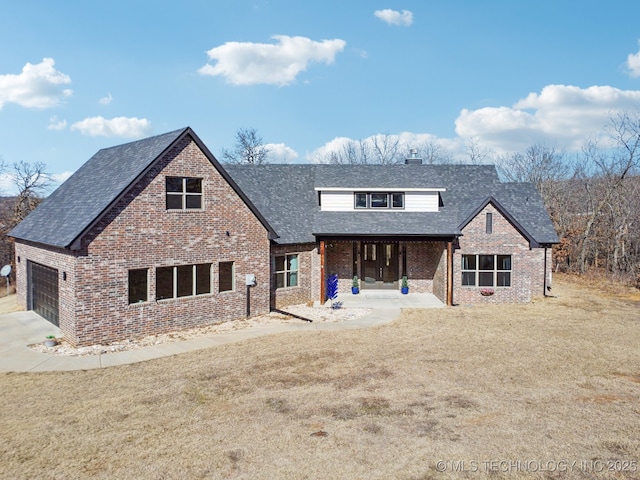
x: 20, y: 329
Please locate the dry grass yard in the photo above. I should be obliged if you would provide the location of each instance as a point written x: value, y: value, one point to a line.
x: 545, y: 390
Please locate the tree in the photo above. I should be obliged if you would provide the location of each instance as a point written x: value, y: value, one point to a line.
x: 249, y: 148
x: 477, y: 153
x: 32, y: 182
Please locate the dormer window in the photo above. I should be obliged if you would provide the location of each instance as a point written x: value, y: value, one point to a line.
x: 379, y: 200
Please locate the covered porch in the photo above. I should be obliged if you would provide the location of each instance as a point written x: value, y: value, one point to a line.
x: 378, y: 265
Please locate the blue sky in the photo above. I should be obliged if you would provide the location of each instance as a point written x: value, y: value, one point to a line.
x: 77, y: 76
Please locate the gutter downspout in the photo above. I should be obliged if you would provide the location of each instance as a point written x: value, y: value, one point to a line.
x: 449, y: 274
x: 544, y: 281
x: 322, y: 282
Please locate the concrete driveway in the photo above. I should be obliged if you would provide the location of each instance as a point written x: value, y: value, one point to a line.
x: 17, y: 330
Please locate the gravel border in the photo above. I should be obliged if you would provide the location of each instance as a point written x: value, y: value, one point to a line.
x: 316, y: 315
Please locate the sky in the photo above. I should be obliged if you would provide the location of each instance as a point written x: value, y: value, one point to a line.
x: 77, y: 76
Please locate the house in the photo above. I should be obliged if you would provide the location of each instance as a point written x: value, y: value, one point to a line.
x: 155, y: 235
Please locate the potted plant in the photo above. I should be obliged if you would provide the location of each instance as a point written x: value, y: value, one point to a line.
x: 355, y: 285
x: 486, y: 292
x: 51, y: 341
x: 405, y: 286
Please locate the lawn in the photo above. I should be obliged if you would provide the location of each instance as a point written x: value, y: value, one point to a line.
x: 545, y: 390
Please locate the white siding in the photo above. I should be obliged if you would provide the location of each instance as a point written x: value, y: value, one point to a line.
x: 337, y: 201
x: 421, y: 201
x: 413, y: 202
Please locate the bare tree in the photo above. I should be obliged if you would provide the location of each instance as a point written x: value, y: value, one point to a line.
x: 386, y: 149
x: 249, y: 148
x: 32, y: 182
x: 478, y: 154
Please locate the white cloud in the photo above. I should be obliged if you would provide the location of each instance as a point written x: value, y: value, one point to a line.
x: 394, y: 17
x: 562, y: 114
x: 38, y: 86
x: 281, y: 153
x: 116, y: 127
x: 55, y: 124
x: 244, y: 63
x: 106, y: 100
x: 633, y: 63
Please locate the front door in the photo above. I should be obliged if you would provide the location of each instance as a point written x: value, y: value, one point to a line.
x: 379, y: 265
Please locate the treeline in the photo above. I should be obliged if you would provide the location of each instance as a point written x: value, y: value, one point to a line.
x: 593, y: 198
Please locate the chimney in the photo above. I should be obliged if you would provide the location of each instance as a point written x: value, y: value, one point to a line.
x: 413, y: 158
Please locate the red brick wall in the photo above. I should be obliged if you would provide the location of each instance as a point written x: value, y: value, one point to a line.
x: 440, y: 276
x: 423, y: 259
x: 340, y: 260
x: 139, y: 232
x: 527, y: 274
x: 304, y: 292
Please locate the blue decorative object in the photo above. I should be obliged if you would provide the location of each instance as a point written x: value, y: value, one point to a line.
x: 332, y: 290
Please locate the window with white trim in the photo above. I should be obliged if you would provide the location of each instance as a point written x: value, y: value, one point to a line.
x: 286, y: 270
x: 183, y: 193
x: 379, y: 200
x: 486, y: 270
x: 183, y: 281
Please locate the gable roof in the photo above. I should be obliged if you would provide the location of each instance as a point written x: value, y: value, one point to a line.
x: 72, y: 209
x: 543, y: 235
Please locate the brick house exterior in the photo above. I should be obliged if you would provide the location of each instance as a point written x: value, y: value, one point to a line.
x: 138, y: 232
x: 155, y: 235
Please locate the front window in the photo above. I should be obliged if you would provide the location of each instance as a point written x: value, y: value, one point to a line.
x: 225, y: 276
x: 486, y: 270
x: 138, y: 285
x: 183, y: 281
x: 379, y: 200
x: 184, y: 193
x: 286, y: 271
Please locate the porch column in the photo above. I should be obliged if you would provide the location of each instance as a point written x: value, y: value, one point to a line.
x: 322, y: 286
x: 449, y: 274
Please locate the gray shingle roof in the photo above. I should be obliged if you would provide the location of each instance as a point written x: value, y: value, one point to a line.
x: 73, y: 207
x: 70, y: 210
x: 403, y: 176
x: 384, y: 224
x: 285, y: 195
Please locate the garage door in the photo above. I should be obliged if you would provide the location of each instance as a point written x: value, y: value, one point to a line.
x: 43, y: 290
